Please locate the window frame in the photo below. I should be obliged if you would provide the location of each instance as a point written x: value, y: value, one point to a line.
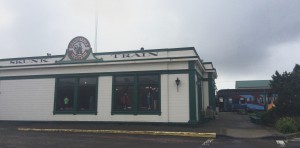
x: 76, y: 92
x: 135, y: 110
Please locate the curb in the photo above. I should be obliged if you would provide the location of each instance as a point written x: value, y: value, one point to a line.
x: 292, y: 135
x: 274, y: 136
x: 159, y: 133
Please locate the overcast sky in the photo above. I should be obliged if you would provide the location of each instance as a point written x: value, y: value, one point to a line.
x: 245, y: 39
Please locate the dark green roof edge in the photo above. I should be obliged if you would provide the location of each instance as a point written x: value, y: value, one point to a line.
x: 98, y: 61
x: 207, y: 62
x: 37, y: 57
x: 106, y: 53
x: 211, y: 64
x: 146, y: 50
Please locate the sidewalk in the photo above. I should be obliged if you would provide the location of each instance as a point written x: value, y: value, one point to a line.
x: 234, y: 125
x: 227, y: 124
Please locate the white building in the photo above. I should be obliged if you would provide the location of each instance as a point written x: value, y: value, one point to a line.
x: 160, y: 85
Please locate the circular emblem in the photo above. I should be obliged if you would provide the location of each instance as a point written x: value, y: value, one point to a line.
x: 79, y: 48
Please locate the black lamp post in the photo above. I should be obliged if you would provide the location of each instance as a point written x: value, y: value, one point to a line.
x: 177, y: 83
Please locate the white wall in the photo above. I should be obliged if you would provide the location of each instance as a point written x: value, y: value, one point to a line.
x: 33, y: 100
x: 27, y: 99
x: 178, y: 102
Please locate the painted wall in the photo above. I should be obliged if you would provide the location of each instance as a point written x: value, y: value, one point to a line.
x: 94, y: 68
x: 27, y: 87
x: 178, y: 101
x: 30, y: 99
x: 33, y: 100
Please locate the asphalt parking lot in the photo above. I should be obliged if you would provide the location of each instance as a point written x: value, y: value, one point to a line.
x: 13, y: 138
x: 231, y: 130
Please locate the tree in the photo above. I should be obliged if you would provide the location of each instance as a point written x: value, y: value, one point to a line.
x: 287, y: 86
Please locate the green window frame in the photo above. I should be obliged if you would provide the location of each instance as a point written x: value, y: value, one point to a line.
x: 76, y: 95
x: 137, y: 94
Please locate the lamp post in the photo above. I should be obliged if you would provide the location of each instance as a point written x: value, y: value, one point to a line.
x: 177, y: 81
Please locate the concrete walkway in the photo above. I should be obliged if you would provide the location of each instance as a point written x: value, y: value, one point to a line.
x: 239, y: 126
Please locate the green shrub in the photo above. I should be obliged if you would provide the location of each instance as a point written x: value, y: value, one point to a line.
x: 297, y: 119
x: 270, y: 117
x: 286, y: 125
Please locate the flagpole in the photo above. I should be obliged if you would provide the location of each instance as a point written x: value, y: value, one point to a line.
x: 96, y: 25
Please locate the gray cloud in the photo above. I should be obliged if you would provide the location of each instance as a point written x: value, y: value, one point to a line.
x: 243, y: 39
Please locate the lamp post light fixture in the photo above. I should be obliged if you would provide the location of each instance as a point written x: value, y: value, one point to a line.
x: 177, y: 83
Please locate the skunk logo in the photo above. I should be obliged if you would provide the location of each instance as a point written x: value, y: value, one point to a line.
x: 79, y: 48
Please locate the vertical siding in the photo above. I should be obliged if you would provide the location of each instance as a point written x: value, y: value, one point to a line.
x: 179, y: 101
x: 31, y: 99
x: 104, y: 98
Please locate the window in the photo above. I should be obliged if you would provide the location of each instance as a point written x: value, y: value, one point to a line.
x: 124, y: 93
x: 136, y: 94
x: 148, y: 93
x: 76, y: 95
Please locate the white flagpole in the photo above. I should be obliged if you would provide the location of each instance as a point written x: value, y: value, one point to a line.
x: 96, y: 25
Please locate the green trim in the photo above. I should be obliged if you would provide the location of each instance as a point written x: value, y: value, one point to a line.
x: 135, y: 110
x: 76, y: 62
x: 180, y: 71
x: 75, y: 94
x: 159, y: 95
x: 96, y: 96
x: 135, y: 95
x: 55, y: 94
x: 192, y: 93
x: 147, y: 50
x: 75, y: 113
x: 205, y: 79
x: 37, y: 57
x: 201, y: 114
x: 113, y: 95
x: 211, y: 91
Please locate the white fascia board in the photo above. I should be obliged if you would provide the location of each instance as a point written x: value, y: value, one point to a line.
x: 100, y: 63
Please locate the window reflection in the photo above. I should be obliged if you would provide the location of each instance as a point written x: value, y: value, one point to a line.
x: 136, y: 93
x: 124, y: 93
x: 76, y: 94
x: 148, y: 93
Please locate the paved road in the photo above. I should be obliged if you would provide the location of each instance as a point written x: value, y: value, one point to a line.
x: 232, y: 131
x: 12, y: 138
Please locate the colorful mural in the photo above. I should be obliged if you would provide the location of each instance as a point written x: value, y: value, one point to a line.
x: 250, y: 99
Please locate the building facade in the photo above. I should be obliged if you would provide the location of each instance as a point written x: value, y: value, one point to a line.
x: 160, y: 85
